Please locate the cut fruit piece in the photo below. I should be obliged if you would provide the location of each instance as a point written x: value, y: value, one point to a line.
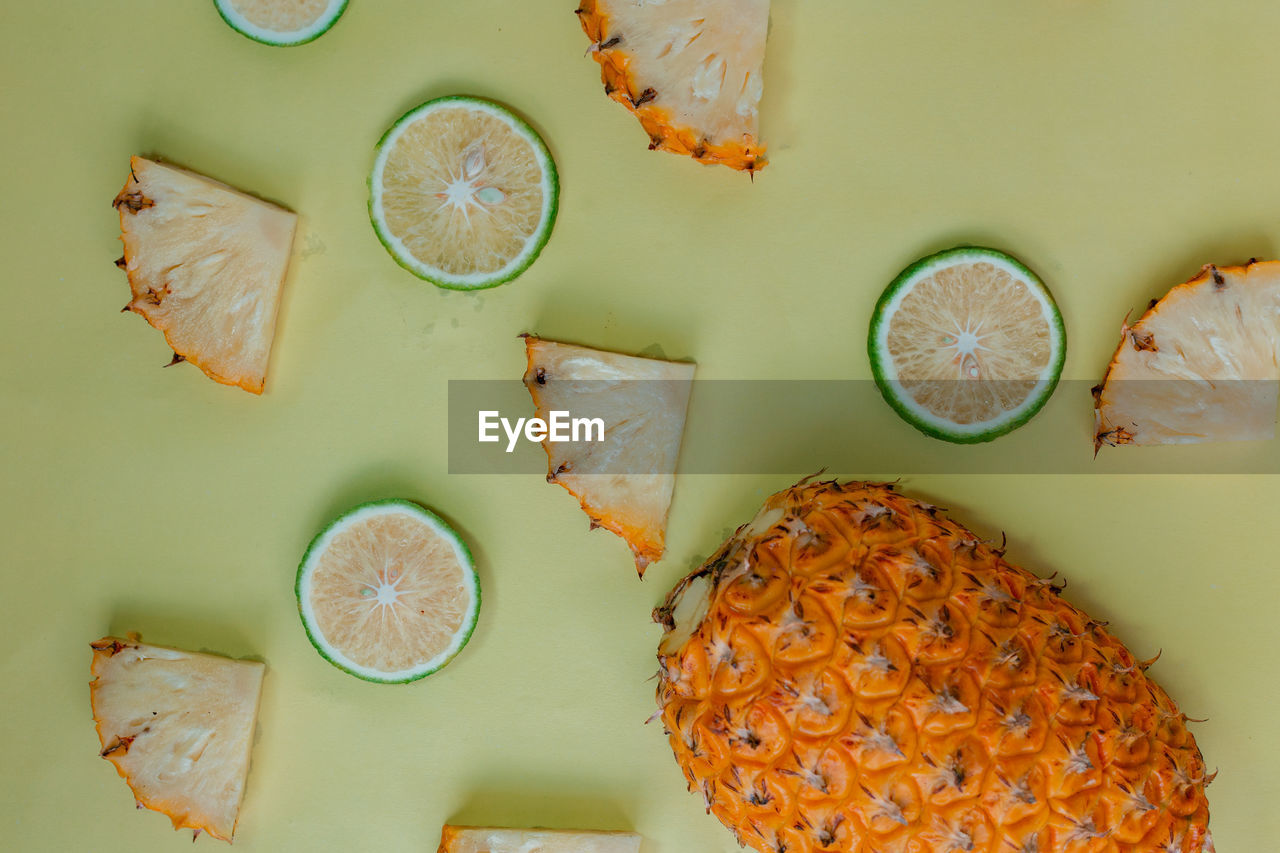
x: 690, y: 70
x: 477, y: 839
x: 463, y: 193
x: 206, y: 265
x: 1199, y: 365
x: 388, y: 592
x: 281, y: 23
x: 966, y: 345
x: 178, y: 726
x: 624, y: 481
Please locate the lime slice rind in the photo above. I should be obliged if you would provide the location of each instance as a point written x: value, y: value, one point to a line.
x: 320, y: 544
x: 907, y: 407
x: 533, y: 244
x: 275, y: 38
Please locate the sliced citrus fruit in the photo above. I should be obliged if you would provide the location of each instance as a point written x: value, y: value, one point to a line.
x: 388, y: 592
x: 281, y: 23
x: 966, y: 345
x: 463, y: 193
x: 478, y: 839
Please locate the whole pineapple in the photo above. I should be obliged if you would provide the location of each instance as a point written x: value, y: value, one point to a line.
x: 852, y: 671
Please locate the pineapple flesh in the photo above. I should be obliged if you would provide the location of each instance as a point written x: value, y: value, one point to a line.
x: 475, y: 839
x: 206, y: 265
x: 624, y: 482
x: 178, y: 726
x: 690, y: 70
x: 852, y: 671
x: 1200, y: 365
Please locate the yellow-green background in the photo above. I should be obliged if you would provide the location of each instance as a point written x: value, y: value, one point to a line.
x: 1115, y: 145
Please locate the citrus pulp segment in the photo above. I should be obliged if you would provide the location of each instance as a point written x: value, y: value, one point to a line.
x: 967, y: 345
x: 281, y: 23
x: 463, y: 193
x: 388, y: 592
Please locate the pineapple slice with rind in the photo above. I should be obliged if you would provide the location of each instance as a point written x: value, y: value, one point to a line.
x: 1202, y: 364
x: 692, y: 72
x: 178, y: 726
x: 478, y: 839
x: 206, y: 265
x: 625, y: 481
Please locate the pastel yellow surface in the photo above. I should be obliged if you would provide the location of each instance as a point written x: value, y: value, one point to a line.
x: 1115, y: 145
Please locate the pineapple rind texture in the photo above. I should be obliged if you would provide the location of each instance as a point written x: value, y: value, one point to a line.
x: 1200, y: 364
x: 178, y: 726
x: 206, y: 266
x: 863, y: 674
x: 691, y: 71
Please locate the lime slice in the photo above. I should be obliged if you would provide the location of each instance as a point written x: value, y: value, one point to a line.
x: 281, y: 23
x: 967, y: 344
x: 463, y: 193
x: 388, y: 592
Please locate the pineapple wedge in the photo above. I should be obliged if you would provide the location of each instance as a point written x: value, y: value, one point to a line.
x: 1200, y: 365
x: 178, y: 726
x: 206, y: 265
x: 624, y: 482
x: 692, y: 72
x: 475, y: 839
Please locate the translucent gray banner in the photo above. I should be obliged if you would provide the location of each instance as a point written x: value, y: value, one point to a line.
x: 797, y: 427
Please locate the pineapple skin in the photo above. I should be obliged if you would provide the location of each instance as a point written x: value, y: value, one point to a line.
x: 665, y: 134
x: 869, y: 676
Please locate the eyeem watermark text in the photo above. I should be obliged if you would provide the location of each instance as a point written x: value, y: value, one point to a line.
x: 559, y: 427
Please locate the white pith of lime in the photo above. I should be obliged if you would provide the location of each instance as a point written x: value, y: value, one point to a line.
x: 232, y: 12
x: 979, y: 314
x: 463, y: 193
x: 388, y: 581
